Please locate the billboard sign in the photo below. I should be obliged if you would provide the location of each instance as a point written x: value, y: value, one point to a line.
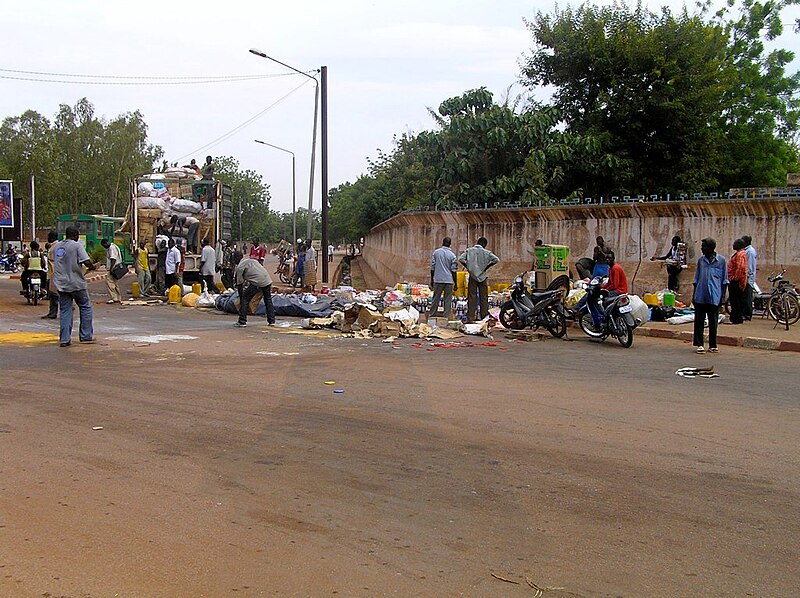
x: 6, y: 205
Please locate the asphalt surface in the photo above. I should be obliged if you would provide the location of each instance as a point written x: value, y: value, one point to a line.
x: 227, y: 466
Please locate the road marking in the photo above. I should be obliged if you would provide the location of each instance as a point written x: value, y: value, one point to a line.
x: 28, y: 339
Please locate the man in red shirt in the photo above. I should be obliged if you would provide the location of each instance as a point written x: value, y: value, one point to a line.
x: 258, y: 252
x: 617, y: 281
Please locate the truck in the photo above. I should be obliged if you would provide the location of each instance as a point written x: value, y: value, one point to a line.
x: 156, y: 198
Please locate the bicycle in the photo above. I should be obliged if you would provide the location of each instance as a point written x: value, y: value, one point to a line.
x: 783, y: 304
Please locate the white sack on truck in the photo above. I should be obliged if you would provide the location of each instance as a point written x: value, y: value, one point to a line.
x: 186, y: 205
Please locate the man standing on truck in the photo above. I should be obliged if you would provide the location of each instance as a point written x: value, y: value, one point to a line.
x: 208, y: 263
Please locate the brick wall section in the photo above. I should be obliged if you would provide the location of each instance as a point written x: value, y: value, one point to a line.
x: 400, y: 248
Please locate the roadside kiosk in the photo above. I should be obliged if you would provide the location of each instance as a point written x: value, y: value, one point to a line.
x: 549, y: 262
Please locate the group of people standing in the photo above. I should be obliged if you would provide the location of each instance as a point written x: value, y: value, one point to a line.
x: 476, y: 260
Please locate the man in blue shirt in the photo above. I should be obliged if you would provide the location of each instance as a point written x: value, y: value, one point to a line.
x: 749, y: 290
x: 710, y: 281
x: 443, y: 277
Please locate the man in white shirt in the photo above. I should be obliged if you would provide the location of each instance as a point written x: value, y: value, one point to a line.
x: 208, y: 263
x: 113, y: 257
x: 173, y: 261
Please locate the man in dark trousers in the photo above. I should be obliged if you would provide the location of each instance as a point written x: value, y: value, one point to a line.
x: 443, y: 278
x: 251, y: 272
x: 52, y: 238
x: 710, y: 282
x: 477, y: 260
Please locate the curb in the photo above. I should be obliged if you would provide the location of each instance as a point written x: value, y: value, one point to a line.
x: 748, y: 342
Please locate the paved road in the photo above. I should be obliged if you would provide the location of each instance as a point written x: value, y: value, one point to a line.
x: 225, y: 464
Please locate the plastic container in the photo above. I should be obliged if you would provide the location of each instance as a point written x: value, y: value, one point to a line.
x: 652, y: 299
x: 135, y: 289
x: 175, y: 294
x: 196, y: 289
x: 669, y: 299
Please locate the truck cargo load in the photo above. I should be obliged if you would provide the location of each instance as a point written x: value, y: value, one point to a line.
x: 161, y: 203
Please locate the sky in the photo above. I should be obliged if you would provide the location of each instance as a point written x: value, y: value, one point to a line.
x: 388, y: 62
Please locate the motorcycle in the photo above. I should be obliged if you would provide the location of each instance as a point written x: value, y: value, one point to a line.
x: 34, y: 292
x: 537, y: 310
x: 10, y: 262
x: 601, y: 316
x: 284, y: 270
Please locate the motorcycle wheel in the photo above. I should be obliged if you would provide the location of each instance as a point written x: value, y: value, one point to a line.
x: 285, y: 279
x: 784, y: 308
x: 624, y: 331
x: 557, y: 324
x: 35, y: 298
x: 587, y: 325
x: 509, y: 318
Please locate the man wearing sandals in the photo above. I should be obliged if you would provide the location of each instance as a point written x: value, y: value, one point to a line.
x: 710, y: 282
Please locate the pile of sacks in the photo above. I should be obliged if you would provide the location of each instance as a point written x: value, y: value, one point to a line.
x: 155, y: 195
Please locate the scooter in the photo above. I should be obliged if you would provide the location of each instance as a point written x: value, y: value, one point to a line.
x: 601, y: 316
x: 537, y: 310
x: 10, y: 262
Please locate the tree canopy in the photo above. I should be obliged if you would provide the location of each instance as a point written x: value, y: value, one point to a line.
x: 81, y: 163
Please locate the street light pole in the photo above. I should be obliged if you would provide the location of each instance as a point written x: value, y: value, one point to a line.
x: 313, y: 139
x: 294, y: 210
x: 324, y: 85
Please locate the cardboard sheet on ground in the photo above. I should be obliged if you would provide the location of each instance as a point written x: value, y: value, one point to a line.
x: 444, y: 334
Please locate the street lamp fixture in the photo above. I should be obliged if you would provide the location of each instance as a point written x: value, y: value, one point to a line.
x: 323, y: 71
x: 294, y: 209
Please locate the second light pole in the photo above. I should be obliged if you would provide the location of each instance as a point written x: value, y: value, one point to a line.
x: 294, y: 190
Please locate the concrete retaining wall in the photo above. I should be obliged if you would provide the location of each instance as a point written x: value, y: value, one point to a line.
x: 400, y: 248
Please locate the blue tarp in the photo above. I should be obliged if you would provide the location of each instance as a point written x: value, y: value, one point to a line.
x: 285, y: 305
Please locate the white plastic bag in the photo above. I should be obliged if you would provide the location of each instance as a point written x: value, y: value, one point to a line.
x: 205, y: 300
x: 639, y: 309
x: 144, y: 189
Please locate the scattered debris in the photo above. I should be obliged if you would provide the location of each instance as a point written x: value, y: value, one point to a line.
x: 329, y: 382
x: 97, y: 428
x: 706, y: 372
x: 539, y: 591
x: 528, y: 336
x: 338, y: 391
x: 504, y: 579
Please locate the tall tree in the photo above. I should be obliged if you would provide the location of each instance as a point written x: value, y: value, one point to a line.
x: 82, y: 164
x: 648, y: 84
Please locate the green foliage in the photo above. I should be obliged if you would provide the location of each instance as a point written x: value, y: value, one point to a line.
x: 97, y: 254
x: 81, y: 163
x: 681, y: 103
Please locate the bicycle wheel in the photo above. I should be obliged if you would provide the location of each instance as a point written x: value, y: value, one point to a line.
x: 784, y: 308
